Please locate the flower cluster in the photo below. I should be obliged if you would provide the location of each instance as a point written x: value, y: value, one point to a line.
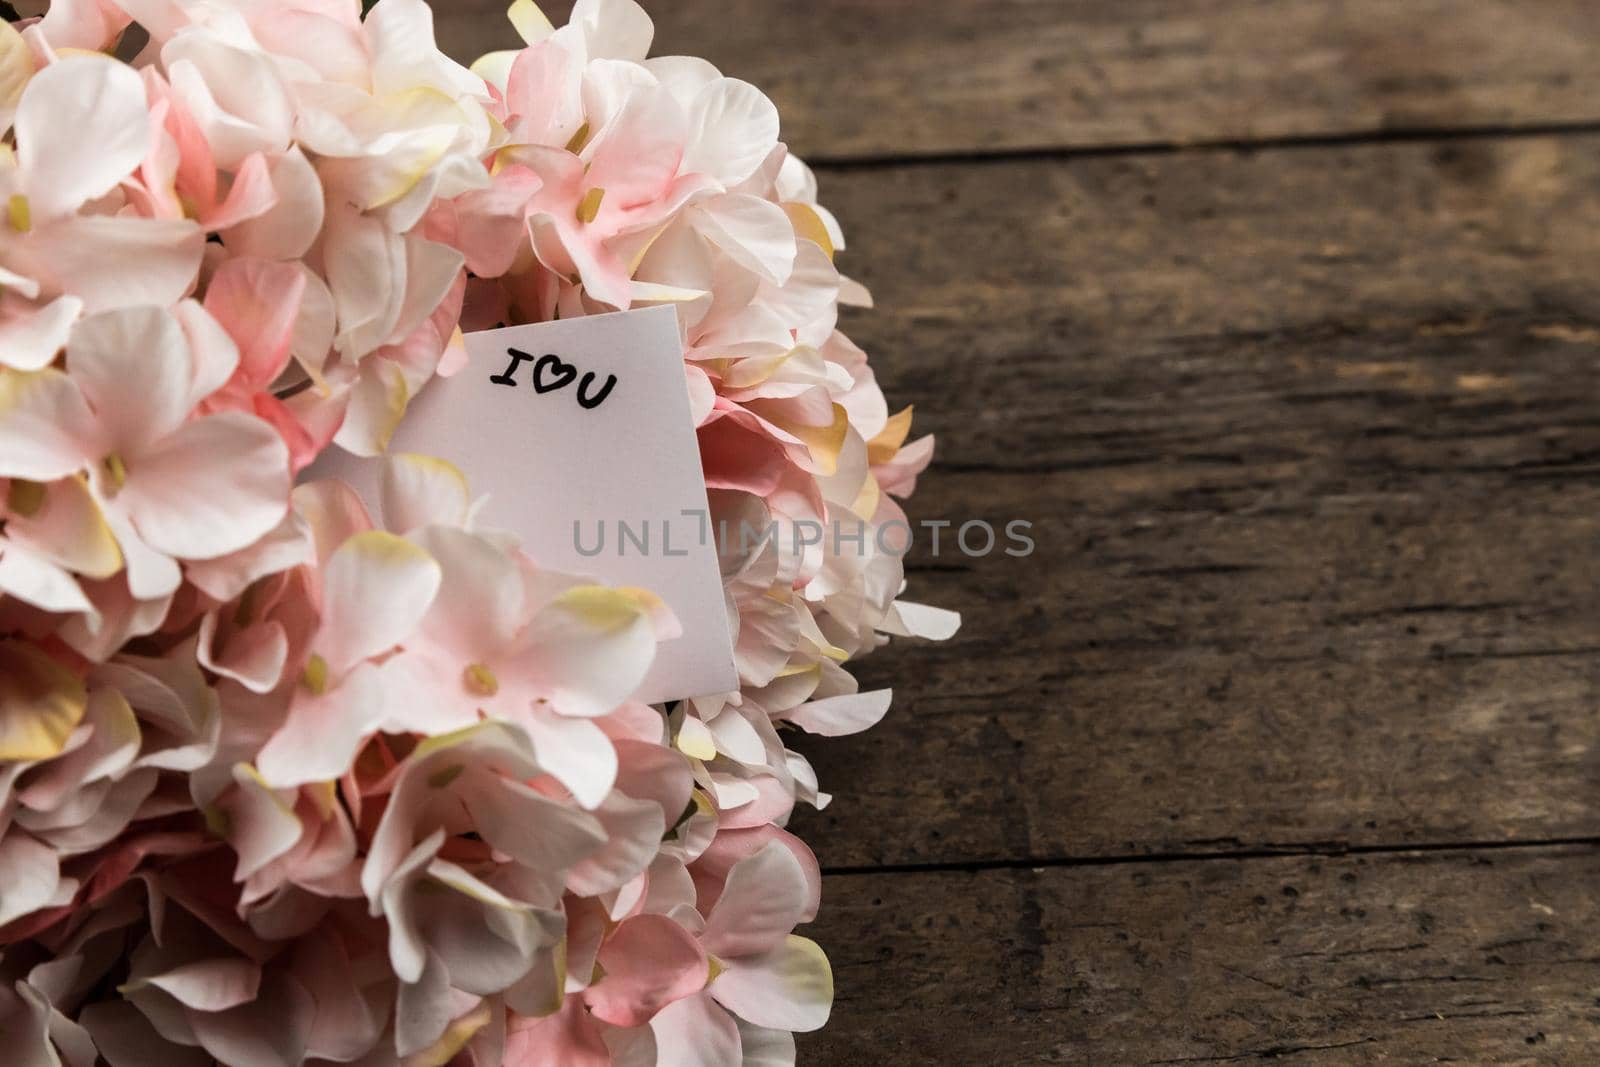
x: 287, y: 777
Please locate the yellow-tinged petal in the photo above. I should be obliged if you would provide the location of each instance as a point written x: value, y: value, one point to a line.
x: 531, y: 24
x: 377, y: 405
x: 398, y: 397
x: 219, y: 822
x: 793, y: 669
x: 825, y: 442
x: 439, y: 742
x: 866, y: 501
x: 41, y: 703
x: 442, y: 778
x: 454, y: 1040
x: 69, y: 528
x: 418, y: 489
x: 664, y: 291
x: 494, y: 67
x: 605, y: 608
x: 808, y: 224
x: 16, y: 66
x: 247, y: 775
x: 558, y: 987
x: 695, y: 740
x: 325, y: 795
x: 882, y: 448
x: 431, y: 119
x: 747, y: 373
x: 804, y: 946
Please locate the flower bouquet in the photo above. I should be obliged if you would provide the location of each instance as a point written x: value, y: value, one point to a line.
x: 291, y: 776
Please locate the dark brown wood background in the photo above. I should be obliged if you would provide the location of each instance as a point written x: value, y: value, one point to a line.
x: 1280, y: 320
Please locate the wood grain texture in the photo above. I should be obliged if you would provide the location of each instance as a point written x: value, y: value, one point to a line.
x: 1309, y: 438
x: 910, y: 77
x: 1479, y: 958
x: 1311, y: 446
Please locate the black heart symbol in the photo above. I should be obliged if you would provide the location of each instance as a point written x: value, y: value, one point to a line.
x: 564, y: 373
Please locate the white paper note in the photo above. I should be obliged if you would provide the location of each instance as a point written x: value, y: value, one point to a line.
x: 585, y: 421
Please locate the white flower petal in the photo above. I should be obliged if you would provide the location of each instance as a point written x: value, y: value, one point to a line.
x: 134, y: 367
x: 31, y: 339
x: 614, y: 29
x: 46, y: 429
x: 376, y: 588
x: 921, y: 620
x: 29, y: 875
x: 421, y: 490
x: 35, y: 580
x: 766, y: 1048
x: 695, y: 1032
x: 322, y: 734
x: 113, y: 261
x: 590, y: 648
x: 81, y: 127
x: 213, y: 487
x: 789, y: 988
x: 836, y: 716
x: 755, y: 233
x: 234, y: 93
x: 577, y: 753
x: 733, y: 128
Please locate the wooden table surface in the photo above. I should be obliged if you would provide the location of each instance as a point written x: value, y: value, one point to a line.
x: 1279, y: 319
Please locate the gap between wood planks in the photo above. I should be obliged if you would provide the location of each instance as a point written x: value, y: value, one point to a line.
x: 1397, y: 135
x: 1268, y: 852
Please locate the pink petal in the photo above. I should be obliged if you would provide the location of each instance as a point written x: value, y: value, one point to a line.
x: 210, y: 985
x: 764, y: 898
x: 738, y: 454
x: 569, y: 1038
x: 258, y: 303
x: 729, y: 847
x: 649, y: 962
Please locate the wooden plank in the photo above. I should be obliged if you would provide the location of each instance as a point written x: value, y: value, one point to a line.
x: 915, y: 77
x: 1310, y: 442
x: 1487, y: 957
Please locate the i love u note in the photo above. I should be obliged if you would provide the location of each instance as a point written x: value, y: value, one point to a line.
x: 550, y: 373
